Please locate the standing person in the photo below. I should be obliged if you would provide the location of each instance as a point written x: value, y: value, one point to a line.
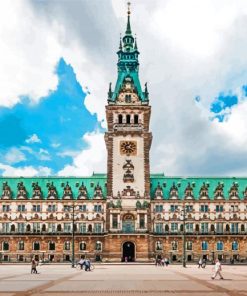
x: 166, y: 261
x: 33, y: 266
x: 200, y: 263
x: 217, y: 270
x: 204, y: 262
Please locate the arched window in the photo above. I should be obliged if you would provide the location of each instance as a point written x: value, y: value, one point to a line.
x: 83, y: 246
x: 174, y: 245
x: 220, y: 246
x: 12, y: 228
x: 59, y: 227
x: 227, y: 227
x: 67, y: 246
x: 51, y: 246
x: 28, y: 227
x: 120, y: 118
x: 158, y: 246
x: 128, y: 119
x: 44, y: 228
x: 204, y: 246
x: 136, y: 119
x: 98, y: 246
x: 189, y: 246
x: 36, y: 246
x: 21, y: 246
x: 234, y: 246
x: 5, y: 246
x: 90, y: 228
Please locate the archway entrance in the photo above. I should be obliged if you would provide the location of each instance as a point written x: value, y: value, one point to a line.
x: 128, y: 252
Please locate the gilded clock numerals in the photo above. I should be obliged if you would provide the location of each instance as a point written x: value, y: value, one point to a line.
x: 128, y: 147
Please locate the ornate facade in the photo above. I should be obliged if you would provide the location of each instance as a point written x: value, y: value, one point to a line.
x: 128, y: 213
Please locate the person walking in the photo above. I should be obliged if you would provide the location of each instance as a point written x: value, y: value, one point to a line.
x: 217, y: 270
x: 87, y: 265
x: 200, y: 263
x: 33, y: 266
x: 81, y: 263
x: 204, y: 263
x: 166, y: 261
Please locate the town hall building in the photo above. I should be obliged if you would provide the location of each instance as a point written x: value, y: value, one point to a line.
x: 128, y: 214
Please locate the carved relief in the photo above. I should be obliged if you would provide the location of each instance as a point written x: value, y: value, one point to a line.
x: 67, y: 192
x: 37, y: 193
x: 233, y: 193
x: 127, y: 94
x: 128, y: 175
x: 158, y: 193
x: 52, y: 191
x: 22, y: 192
x: 218, y: 193
x: 128, y: 192
x: 174, y: 192
x: 82, y: 194
x: 204, y: 191
x: 98, y: 192
x: 6, y: 191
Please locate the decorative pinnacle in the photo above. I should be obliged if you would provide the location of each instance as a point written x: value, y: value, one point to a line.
x: 128, y: 29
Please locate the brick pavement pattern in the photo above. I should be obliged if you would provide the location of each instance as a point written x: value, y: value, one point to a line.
x: 126, y: 279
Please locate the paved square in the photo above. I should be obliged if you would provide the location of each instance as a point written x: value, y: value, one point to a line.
x: 125, y: 279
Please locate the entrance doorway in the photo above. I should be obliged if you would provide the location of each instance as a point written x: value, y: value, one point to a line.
x: 128, y: 252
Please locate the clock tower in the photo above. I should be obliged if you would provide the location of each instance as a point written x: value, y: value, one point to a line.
x: 128, y: 139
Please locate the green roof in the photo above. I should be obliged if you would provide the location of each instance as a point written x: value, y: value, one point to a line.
x: 197, y: 182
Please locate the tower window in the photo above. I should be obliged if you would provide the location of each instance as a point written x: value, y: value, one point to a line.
x: 136, y: 119
x: 120, y: 118
x: 128, y: 119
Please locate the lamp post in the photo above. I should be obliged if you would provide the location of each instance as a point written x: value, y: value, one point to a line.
x: 184, y: 213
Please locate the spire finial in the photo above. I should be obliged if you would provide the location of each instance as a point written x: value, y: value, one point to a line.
x: 128, y: 29
x: 120, y: 43
x: 128, y: 12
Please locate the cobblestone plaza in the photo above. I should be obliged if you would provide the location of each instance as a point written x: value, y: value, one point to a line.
x: 125, y: 279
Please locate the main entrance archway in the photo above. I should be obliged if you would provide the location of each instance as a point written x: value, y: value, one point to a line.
x: 128, y: 254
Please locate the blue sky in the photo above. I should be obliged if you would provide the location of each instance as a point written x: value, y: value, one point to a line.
x: 48, y: 133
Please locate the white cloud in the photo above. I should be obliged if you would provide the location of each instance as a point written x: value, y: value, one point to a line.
x: 26, y: 171
x: 14, y: 155
x: 43, y: 154
x: 29, y: 53
x: 92, y: 159
x: 33, y: 139
x: 187, y: 49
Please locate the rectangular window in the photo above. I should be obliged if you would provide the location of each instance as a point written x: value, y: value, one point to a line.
x: 234, y: 208
x: 158, y: 208
x: 83, y: 227
x: 159, y: 227
x: 142, y: 221
x: 98, y: 208
x: 97, y: 228
x: 36, y: 227
x: 6, y: 208
x: 21, y: 227
x: 6, y: 227
x: 204, y: 227
x: 189, y: 246
x: 115, y: 221
x: 66, y: 208
x: 174, y: 227
x: 51, y: 208
x: 219, y: 227
x: 173, y: 208
x: 189, y: 227
x: 67, y: 227
x: 204, y: 208
x: 21, y: 208
x: 234, y: 227
x: 219, y: 208
x: 36, y: 208
x: 189, y: 208
x: 51, y: 227
x: 83, y: 208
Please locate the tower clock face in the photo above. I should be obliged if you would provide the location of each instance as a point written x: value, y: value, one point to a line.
x: 128, y: 147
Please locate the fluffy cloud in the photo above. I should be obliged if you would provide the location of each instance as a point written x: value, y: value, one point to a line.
x: 90, y: 159
x: 14, y: 155
x: 188, y: 49
x: 26, y: 171
x: 33, y: 139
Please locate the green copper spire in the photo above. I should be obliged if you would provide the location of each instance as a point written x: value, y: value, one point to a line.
x: 128, y: 29
x: 128, y: 65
